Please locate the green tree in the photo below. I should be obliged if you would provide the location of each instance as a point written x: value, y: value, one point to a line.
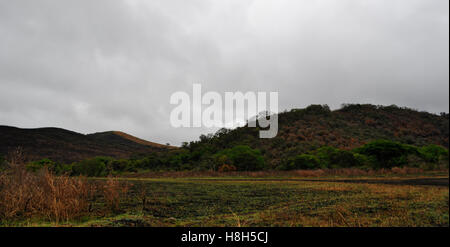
x: 387, y: 154
x: 37, y: 165
x: 301, y: 162
x: 433, y: 153
x: 434, y: 156
x: 244, y: 158
x: 330, y: 157
x: 96, y: 167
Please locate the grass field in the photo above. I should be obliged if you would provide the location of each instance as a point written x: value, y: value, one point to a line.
x: 241, y: 201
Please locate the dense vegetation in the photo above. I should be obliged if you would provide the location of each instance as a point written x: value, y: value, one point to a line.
x: 305, y: 130
x: 362, y: 136
x: 374, y: 155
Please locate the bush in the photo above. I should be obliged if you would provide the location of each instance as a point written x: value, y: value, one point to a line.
x: 41, y: 194
x: 220, y: 159
x: 324, y: 155
x: 343, y: 159
x: 113, y: 190
x: 57, y: 198
x: 151, y: 162
x: 96, y: 167
x: 387, y: 154
x: 434, y: 154
x: 227, y: 168
x: 38, y: 165
x: 301, y: 162
x: 330, y: 157
x: 244, y: 158
x: 54, y: 167
x: 363, y: 160
x: 120, y: 165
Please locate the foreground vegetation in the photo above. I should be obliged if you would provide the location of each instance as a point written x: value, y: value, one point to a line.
x: 228, y: 199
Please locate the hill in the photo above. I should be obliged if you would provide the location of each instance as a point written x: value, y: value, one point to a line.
x: 303, y: 130
x: 124, y: 138
x: 68, y: 146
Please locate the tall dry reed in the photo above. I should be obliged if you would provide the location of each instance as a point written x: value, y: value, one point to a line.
x: 25, y: 194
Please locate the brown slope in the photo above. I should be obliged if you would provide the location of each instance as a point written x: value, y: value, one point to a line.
x: 141, y: 141
x: 68, y: 146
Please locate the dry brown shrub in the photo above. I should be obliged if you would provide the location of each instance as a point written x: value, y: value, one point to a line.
x: 113, y: 190
x: 57, y: 198
x: 227, y: 168
x: 309, y: 173
x: 406, y: 170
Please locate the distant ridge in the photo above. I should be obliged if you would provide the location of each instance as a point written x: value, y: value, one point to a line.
x: 140, y: 141
x: 69, y: 146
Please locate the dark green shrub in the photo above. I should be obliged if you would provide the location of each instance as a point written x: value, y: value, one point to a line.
x: 54, y: 167
x: 434, y: 153
x: 149, y: 163
x: 244, y: 158
x: 330, y: 157
x: 178, y: 160
x: 387, y: 154
x: 37, y: 165
x: 301, y: 162
x: 324, y: 155
x: 121, y: 165
x: 96, y: 167
x: 343, y: 159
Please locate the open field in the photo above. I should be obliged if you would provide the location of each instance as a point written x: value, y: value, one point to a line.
x: 249, y: 201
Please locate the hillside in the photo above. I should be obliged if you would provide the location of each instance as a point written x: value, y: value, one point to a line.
x: 300, y: 131
x: 303, y: 130
x: 68, y: 146
x: 125, y: 139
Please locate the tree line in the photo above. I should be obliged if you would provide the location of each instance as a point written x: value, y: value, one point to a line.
x: 373, y: 155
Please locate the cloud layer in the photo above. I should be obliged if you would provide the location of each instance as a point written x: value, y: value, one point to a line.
x: 112, y: 65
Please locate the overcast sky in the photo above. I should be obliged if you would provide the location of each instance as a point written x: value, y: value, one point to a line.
x: 91, y: 65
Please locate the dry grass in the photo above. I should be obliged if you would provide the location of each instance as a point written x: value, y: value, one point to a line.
x: 113, y: 191
x: 43, y: 195
x: 56, y: 198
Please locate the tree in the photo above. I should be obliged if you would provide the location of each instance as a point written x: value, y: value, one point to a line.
x: 330, y: 157
x: 37, y: 165
x: 433, y: 153
x: 244, y: 158
x: 96, y: 167
x: 301, y: 162
x: 386, y: 153
x: 343, y: 158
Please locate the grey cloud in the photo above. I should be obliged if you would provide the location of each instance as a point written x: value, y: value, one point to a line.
x: 95, y: 65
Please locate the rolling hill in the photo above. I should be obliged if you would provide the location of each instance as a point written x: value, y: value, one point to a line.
x: 68, y: 146
x: 300, y: 131
x: 303, y: 130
